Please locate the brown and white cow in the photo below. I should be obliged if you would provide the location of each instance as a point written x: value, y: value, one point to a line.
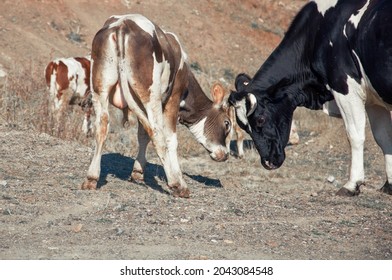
x: 70, y: 76
x: 150, y: 68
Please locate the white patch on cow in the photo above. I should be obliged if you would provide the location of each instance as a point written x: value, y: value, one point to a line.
x: 240, y: 108
x: 91, y: 72
x: 198, y: 131
x: 86, y: 127
x: 352, y: 108
x: 388, y: 164
x: 324, y: 5
x: 160, y: 77
x: 331, y: 44
x: 215, y: 149
x: 345, y: 31
x: 143, y: 22
x: 182, y: 104
x: 58, y: 103
x: 172, y: 144
x: 53, y: 89
x: 371, y: 94
x: 76, y: 75
x: 355, y: 19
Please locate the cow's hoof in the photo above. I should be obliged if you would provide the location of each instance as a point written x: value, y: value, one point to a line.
x: 178, y: 191
x: 137, y: 177
x: 346, y: 192
x: 387, y: 188
x: 89, y: 184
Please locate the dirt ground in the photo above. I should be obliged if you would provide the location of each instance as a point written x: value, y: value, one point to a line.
x: 237, y: 210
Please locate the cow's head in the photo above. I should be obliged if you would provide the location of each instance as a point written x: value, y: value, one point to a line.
x: 266, y: 116
x: 209, y: 124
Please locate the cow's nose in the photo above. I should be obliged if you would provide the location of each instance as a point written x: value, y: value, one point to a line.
x: 220, y: 155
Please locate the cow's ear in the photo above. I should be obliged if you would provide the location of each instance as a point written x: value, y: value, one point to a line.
x: 241, y: 81
x: 217, y: 93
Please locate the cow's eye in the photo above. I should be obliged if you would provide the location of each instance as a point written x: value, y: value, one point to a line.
x: 227, y: 125
x: 260, y: 121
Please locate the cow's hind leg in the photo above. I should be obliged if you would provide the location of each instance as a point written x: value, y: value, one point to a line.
x: 87, y: 107
x: 381, y: 124
x: 102, y: 127
x: 100, y: 102
x: 141, y: 161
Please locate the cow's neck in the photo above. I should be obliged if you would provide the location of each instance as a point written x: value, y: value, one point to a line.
x: 290, y: 64
x: 289, y: 56
x: 194, y: 103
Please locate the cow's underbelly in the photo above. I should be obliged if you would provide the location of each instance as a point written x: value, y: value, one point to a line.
x: 118, y: 99
x: 374, y: 98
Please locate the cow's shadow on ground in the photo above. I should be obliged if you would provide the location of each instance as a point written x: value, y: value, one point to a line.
x: 120, y: 166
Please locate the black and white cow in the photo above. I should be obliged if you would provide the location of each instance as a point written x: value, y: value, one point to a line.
x: 334, y: 49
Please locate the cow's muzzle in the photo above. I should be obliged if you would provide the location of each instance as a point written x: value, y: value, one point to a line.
x: 219, y: 155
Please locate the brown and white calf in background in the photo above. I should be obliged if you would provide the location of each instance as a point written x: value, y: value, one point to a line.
x: 150, y: 68
x: 65, y: 76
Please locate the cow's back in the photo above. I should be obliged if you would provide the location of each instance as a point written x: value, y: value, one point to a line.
x: 373, y: 45
x: 134, y: 46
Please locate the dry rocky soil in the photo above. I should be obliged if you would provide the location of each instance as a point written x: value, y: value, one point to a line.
x: 237, y: 210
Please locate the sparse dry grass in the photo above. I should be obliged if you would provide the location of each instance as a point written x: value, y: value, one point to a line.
x: 25, y: 103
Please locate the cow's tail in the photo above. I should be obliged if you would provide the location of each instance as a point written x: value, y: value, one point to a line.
x: 125, y: 72
x: 50, y: 76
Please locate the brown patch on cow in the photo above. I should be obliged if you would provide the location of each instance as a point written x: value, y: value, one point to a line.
x: 86, y: 64
x: 49, y: 71
x: 173, y: 103
x: 62, y: 78
x: 104, y: 124
x: 175, y: 56
x: 156, y: 45
x: 143, y: 62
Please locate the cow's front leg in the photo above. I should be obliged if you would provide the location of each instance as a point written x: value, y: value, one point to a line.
x: 102, y: 127
x: 165, y: 144
x: 175, y: 179
x: 137, y: 174
x: 381, y: 124
x: 353, y: 113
